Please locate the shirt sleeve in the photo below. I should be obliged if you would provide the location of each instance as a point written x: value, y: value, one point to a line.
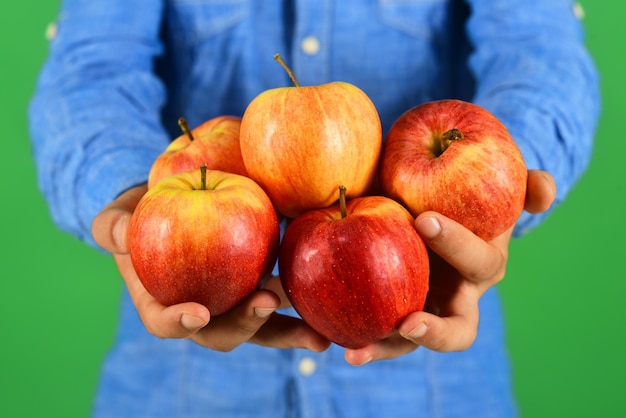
x: 534, y: 73
x: 95, y: 115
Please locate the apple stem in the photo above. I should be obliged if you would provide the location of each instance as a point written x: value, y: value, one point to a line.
x: 448, y: 137
x: 182, y: 122
x: 282, y: 62
x: 203, y: 177
x: 342, y: 201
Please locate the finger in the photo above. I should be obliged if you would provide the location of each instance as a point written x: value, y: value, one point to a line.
x: 109, y: 226
x: 540, y: 191
x: 274, y: 284
x: 176, y: 321
x: 471, y: 256
x: 109, y: 229
x: 255, y: 321
x: 443, y: 334
x: 455, y: 332
x: 240, y: 324
x: 387, y: 349
x: 282, y: 331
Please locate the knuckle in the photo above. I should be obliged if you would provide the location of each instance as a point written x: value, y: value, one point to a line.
x: 154, y: 330
x: 468, y: 340
x: 246, y: 330
x: 152, y: 326
x: 500, y: 274
x: 461, y: 339
x: 490, y: 272
x: 438, y: 344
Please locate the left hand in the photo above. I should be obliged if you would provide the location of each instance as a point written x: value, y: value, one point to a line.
x: 463, y: 268
x: 253, y: 320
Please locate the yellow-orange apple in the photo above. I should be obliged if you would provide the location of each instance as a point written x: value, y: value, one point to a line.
x: 458, y: 159
x: 203, y: 236
x: 300, y: 143
x: 214, y: 143
x: 353, y: 273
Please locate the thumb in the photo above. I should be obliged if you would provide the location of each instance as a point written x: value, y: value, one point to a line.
x: 110, y: 225
x: 540, y: 191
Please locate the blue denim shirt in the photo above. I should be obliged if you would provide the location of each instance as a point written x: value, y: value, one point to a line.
x: 121, y: 72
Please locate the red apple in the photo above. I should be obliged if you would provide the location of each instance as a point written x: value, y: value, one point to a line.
x: 458, y: 159
x: 354, y: 273
x: 301, y: 143
x: 203, y: 238
x: 214, y: 143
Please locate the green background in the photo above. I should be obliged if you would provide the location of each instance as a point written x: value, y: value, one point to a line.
x: 563, y: 292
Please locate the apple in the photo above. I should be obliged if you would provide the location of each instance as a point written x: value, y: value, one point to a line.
x: 203, y: 236
x: 214, y: 143
x: 458, y: 159
x: 300, y: 143
x: 354, y: 270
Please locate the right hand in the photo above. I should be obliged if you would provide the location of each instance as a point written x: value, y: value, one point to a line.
x: 254, y: 320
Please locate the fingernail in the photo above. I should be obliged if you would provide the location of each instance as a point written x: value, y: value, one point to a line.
x: 366, y: 360
x: 417, y: 332
x: 429, y: 227
x: 119, y: 233
x: 191, y: 322
x: 263, y: 312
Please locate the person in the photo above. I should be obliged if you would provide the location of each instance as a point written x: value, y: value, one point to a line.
x: 121, y: 72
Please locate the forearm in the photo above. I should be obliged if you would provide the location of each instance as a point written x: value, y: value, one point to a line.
x: 534, y: 73
x: 95, y: 116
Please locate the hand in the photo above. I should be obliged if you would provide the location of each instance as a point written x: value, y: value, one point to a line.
x: 463, y: 267
x: 254, y: 320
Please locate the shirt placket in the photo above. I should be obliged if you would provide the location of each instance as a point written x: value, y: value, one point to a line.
x: 310, y: 61
x: 311, y: 43
x: 312, y: 384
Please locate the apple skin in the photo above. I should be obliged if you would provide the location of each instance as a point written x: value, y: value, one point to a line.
x: 215, y: 144
x: 212, y: 246
x: 354, y: 279
x: 478, y: 181
x: 301, y: 143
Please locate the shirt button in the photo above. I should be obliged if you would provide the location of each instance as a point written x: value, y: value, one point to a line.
x: 51, y: 31
x: 310, y: 45
x: 307, y: 366
x: 579, y: 12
